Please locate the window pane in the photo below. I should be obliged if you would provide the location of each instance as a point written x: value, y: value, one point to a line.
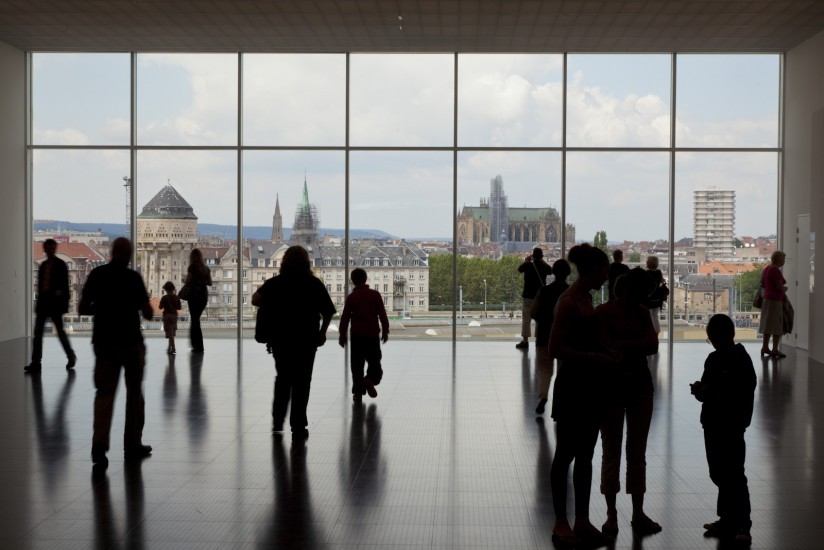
x: 625, y: 195
x: 618, y: 100
x: 294, y: 99
x: 508, y: 203
x: 80, y: 99
x: 510, y: 100
x: 725, y: 228
x: 277, y: 214
x: 188, y: 199
x: 187, y: 99
x: 400, y: 204
x: 728, y: 100
x: 80, y: 200
x: 401, y: 100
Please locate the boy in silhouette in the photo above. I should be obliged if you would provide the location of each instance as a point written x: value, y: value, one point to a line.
x: 170, y: 304
x: 726, y: 390
x: 364, y: 307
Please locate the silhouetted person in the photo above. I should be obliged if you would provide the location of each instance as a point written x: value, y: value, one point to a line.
x: 726, y: 390
x: 370, y: 326
x: 578, y: 396
x: 774, y: 289
x: 543, y: 311
x: 626, y: 327
x: 115, y: 295
x: 616, y: 269
x: 299, y: 309
x: 535, y: 271
x: 52, y: 302
x: 654, y: 303
x: 198, y: 279
x: 170, y: 304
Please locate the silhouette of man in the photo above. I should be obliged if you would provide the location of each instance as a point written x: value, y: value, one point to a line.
x: 535, y: 271
x: 616, y: 269
x: 52, y: 303
x: 115, y: 294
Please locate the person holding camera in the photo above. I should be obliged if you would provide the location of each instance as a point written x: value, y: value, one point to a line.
x: 535, y: 271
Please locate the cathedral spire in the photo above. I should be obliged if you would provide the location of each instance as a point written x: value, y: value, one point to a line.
x: 277, y: 222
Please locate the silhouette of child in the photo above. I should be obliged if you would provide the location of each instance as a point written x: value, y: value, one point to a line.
x: 364, y: 307
x: 170, y: 304
x: 726, y: 390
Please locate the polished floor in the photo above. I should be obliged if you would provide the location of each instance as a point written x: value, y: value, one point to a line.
x: 450, y: 454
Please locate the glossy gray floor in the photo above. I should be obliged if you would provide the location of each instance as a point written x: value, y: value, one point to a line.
x: 450, y: 455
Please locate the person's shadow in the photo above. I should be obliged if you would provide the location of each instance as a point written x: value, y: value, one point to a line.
x: 107, y: 535
x: 52, y: 434
x: 293, y: 524
x: 170, y: 388
x: 198, y: 418
x: 366, y: 474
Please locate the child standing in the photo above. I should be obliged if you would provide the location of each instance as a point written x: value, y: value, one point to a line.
x: 170, y: 304
x: 364, y: 307
x: 726, y: 390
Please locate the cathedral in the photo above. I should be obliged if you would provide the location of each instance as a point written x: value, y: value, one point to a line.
x: 494, y: 221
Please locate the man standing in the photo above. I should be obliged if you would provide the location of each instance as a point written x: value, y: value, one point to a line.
x: 52, y: 303
x: 535, y: 271
x: 616, y: 269
x: 115, y: 294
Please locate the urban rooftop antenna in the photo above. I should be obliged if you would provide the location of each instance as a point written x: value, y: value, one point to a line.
x: 127, y: 184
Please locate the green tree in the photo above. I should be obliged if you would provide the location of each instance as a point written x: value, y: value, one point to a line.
x: 503, y: 282
x: 600, y: 241
x: 749, y: 283
x: 634, y: 258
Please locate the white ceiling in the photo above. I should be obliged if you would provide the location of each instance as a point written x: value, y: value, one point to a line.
x: 427, y: 25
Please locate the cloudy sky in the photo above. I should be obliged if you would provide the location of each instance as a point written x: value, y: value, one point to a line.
x: 614, y: 101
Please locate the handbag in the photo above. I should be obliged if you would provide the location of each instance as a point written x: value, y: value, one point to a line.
x: 758, y: 301
x: 185, y: 292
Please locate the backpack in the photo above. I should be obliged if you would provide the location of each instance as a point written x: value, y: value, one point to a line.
x: 658, y: 296
x: 264, y: 328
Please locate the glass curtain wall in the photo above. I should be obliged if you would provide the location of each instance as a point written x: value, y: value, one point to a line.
x: 415, y: 167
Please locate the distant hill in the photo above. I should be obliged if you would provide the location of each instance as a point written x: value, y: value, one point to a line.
x: 254, y: 232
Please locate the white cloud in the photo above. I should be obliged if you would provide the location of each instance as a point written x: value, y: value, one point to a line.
x: 65, y: 136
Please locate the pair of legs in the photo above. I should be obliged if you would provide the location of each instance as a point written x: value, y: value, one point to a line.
x: 365, y: 350
x: 576, y: 438
x: 37, y: 345
x: 543, y: 365
x: 765, y: 346
x: 109, y: 359
x: 526, y: 322
x: 726, y: 453
x: 292, y: 383
x: 638, y: 413
x: 195, y: 332
x: 170, y: 327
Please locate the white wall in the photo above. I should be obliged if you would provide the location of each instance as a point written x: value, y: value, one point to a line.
x: 804, y: 169
x: 14, y: 283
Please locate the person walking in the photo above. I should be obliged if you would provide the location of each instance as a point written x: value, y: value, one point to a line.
x: 170, y: 304
x: 543, y: 311
x: 198, y: 279
x: 535, y: 271
x: 655, y: 302
x: 370, y: 326
x: 52, y: 302
x: 298, y: 312
x: 578, y: 396
x: 114, y: 295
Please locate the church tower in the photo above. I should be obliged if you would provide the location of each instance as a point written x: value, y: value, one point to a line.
x: 166, y: 234
x: 305, y: 226
x: 277, y: 223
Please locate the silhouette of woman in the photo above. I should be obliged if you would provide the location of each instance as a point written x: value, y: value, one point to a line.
x: 626, y: 327
x: 199, y: 279
x: 577, y: 400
